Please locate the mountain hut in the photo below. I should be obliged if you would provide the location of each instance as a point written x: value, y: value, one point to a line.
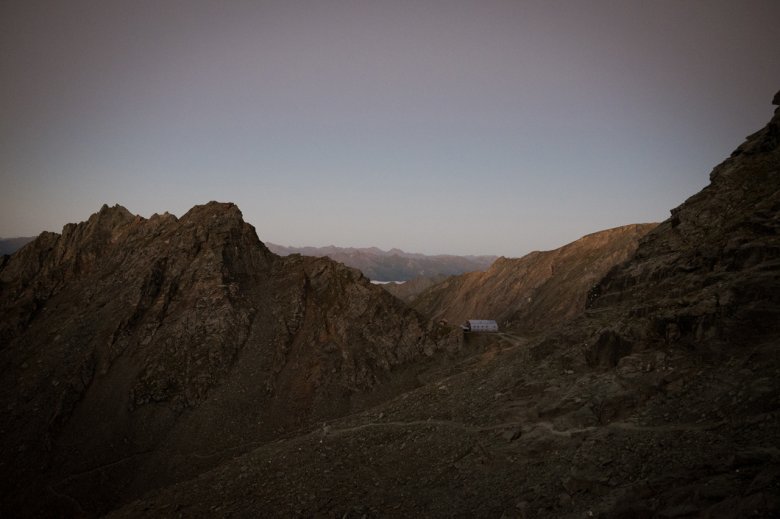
x: 479, y: 325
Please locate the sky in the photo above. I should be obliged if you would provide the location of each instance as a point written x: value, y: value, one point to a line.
x: 460, y: 127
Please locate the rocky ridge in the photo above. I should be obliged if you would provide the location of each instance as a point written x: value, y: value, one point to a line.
x: 527, y: 294
x: 708, y: 276
x: 136, y: 352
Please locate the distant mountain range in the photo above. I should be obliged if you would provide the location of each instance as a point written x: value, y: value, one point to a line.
x: 376, y: 264
x: 393, y: 265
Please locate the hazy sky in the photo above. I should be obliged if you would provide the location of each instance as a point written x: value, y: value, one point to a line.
x: 486, y: 126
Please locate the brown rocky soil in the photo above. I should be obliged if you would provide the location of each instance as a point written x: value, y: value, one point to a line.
x: 508, y: 436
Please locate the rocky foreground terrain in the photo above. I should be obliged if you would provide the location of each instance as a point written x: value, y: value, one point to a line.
x: 160, y: 395
x: 527, y: 294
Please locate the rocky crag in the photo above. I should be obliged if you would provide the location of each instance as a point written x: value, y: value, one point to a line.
x: 708, y: 276
x: 528, y: 294
x: 659, y: 401
x: 138, y: 352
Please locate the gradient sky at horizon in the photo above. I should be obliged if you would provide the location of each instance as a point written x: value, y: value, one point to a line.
x: 480, y: 127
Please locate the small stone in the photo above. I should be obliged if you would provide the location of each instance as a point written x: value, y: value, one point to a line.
x: 511, y: 435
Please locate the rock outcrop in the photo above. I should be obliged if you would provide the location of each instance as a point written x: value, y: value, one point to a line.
x: 531, y: 293
x: 707, y: 278
x: 136, y: 352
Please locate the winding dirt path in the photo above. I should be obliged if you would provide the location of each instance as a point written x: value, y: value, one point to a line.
x: 330, y: 432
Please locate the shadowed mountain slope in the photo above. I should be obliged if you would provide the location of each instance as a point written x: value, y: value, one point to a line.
x: 540, y: 288
x: 136, y: 352
x: 708, y: 276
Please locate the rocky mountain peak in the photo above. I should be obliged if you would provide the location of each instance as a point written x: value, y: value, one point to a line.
x: 103, y: 226
x: 116, y: 212
x: 215, y: 212
x: 152, y: 336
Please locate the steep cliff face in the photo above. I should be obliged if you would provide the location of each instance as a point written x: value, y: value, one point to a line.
x: 136, y: 351
x: 707, y: 277
x: 537, y: 290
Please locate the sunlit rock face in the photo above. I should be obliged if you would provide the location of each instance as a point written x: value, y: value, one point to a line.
x: 533, y: 293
